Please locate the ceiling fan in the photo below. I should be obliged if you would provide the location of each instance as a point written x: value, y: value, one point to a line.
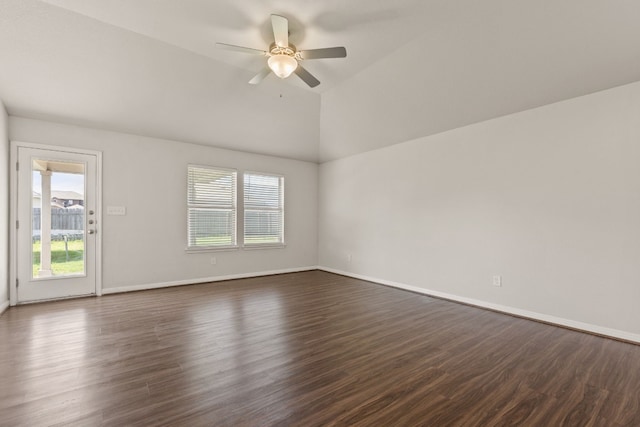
x: 284, y: 58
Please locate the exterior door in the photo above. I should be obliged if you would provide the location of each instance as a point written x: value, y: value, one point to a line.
x: 56, y: 224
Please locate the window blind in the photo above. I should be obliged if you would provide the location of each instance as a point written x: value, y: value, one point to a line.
x: 263, y: 209
x: 211, y: 204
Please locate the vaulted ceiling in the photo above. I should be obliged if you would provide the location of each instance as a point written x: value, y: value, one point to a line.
x: 414, y: 67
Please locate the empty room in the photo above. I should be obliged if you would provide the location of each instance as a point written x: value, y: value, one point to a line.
x: 295, y: 213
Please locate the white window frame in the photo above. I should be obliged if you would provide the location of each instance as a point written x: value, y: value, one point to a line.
x: 233, y: 206
x: 280, y: 208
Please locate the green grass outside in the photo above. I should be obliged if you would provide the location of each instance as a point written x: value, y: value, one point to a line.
x: 213, y: 241
x: 261, y: 240
x: 59, y: 264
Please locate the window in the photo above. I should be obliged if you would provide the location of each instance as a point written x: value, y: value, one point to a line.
x: 211, y: 204
x: 263, y: 209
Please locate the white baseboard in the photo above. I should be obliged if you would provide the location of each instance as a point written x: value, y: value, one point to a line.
x: 587, y: 327
x: 147, y: 286
x: 3, y: 306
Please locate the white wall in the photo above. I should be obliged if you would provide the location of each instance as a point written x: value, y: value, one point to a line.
x: 548, y: 198
x: 4, y: 209
x: 148, y: 176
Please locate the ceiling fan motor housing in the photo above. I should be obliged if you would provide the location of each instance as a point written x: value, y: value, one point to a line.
x: 290, y: 50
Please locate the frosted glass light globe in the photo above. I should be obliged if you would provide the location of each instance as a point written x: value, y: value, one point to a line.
x: 282, y: 65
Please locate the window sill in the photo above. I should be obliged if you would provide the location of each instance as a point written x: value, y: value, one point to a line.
x: 258, y: 246
x: 211, y: 249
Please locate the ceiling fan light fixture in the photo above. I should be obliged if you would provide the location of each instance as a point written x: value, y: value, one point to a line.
x: 282, y: 65
x: 284, y: 58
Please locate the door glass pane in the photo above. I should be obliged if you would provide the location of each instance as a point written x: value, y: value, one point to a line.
x: 58, y: 218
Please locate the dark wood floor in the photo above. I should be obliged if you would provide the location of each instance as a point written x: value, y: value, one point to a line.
x: 304, y: 349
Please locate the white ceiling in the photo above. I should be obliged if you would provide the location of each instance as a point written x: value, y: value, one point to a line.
x: 150, y: 67
x: 489, y: 59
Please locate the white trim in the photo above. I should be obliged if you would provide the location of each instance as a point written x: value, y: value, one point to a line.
x: 256, y: 246
x: 13, y: 214
x: 200, y: 249
x: 99, y: 223
x: 60, y: 148
x: 281, y: 209
x: 3, y: 307
x: 573, y: 324
x: 147, y: 286
x: 38, y: 301
x: 211, y: 205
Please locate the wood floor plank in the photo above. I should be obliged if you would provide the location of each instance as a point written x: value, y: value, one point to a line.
x: 304, y: 349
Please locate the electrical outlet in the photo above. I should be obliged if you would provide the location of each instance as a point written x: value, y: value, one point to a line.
x: 214, y: 261
x: 497, y: 281
x: 349, y: 257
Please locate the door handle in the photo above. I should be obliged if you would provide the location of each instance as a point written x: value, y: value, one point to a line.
x: 92, y: 231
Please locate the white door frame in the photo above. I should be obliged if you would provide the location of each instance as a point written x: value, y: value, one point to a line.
x: 13, y: 213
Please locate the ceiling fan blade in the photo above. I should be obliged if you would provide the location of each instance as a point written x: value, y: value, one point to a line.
x: 280, y: 26
x: 260, y: 76
x: 328, y: 52
x: 306, y: 76
x: 241, y: 49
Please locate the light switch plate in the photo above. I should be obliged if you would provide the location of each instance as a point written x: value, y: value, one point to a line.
x: 116, y: 210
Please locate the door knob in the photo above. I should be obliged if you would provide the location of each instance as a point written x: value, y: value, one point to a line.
x: 92, y: 231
